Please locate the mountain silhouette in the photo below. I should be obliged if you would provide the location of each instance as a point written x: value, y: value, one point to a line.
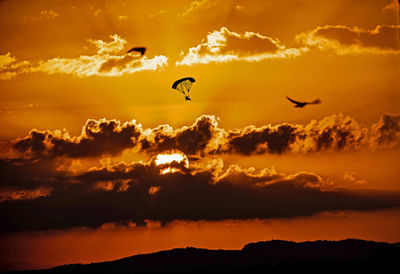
x: 271, y: 256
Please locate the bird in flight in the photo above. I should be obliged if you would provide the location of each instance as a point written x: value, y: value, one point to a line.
x: 303, y: 104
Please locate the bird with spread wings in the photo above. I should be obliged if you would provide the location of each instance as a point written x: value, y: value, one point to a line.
x: 303, y: 104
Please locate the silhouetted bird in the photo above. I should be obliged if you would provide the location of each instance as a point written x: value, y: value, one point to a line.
x: 302, y: 104
x: 141, y: 50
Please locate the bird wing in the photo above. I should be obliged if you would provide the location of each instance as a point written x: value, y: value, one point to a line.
x: 293, y: 101
x: 315, y: 102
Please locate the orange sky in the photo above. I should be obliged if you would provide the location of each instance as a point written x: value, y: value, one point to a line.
x: 63, y: 63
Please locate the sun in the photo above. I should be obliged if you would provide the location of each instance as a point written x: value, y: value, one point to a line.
x: 168, y: 158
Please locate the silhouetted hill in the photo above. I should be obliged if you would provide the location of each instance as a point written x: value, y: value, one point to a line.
x: 396, y: 244
x: 271, y: 256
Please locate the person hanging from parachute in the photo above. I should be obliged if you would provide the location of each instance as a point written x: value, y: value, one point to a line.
x: 183, y: 86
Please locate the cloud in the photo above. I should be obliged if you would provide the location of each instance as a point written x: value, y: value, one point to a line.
x: 9, y: 68
x: 136, y: 192
x: 197, y: 5
x: 332, y: 133
x: 108, y: 61
x: 220, y: 46
x: 253, y: 140
x: 14, y: 108
x: 342, y: 40
x: 157, y: 13
x: 23, y: 194
x: 392, y: 6
x: 6, y: 59
x: 45, y: 178
x: 122, y: 17
x: 190, y: 140
x: 98, y: 137
x: 352, y: 176
x: 205, y: 137
x: 224, y: 46
x: 386, y: 133
x: 114, y: 46
x: 45, y: 15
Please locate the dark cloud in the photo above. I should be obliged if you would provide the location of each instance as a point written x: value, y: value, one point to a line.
x: 137, y: 192
x: 97, y: 138
x: 387, y: 131
x: 333, y: 133
x: 252, y: 140
x: 190, y: 140
x: 26, y: 173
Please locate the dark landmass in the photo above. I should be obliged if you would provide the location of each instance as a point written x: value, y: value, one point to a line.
x: 271, y: 256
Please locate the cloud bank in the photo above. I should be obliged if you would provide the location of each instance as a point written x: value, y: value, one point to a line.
x: 126, y: 193
x: 220, y: 46
x: 204, y: 137
x: 50, y: 180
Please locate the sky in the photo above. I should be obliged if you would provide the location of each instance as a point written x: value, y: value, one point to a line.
x: 97, y: 148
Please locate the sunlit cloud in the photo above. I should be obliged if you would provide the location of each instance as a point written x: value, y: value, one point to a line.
x: 223, y: 46
x: 24, y: 194
x: 116, y: 45
x: 392, y: 6
x: 97, y: 12
x: 45, y: 15
x: 353, y: 177
x: 343, y: 40
x: 199, y: 4
x: 122, y: 17
x: 109, y: 61
x: 157, y: 13
x: 6, y: 59
x: 14, y: 108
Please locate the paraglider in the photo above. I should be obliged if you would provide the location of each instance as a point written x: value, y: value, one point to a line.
x: 140, y: 50
x: 183, y: 86
x: 303, y: 104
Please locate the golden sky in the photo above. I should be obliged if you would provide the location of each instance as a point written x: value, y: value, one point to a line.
x: 83, y: 121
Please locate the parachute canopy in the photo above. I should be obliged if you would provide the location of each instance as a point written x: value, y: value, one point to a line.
x: 183, y: 86
x: 141, y: 50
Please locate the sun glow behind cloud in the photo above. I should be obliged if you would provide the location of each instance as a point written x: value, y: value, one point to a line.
x: 166, y: 159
